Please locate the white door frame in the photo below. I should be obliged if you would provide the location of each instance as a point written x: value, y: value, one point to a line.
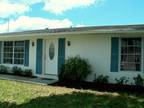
x: 50, y: 71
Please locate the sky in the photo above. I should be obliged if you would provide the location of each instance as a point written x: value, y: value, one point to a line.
x: 25, y: 15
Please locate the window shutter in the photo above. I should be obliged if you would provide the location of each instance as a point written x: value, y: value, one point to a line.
x: 0, y: 52
x: 61, y: 52
x: 39, y: 56
x: 26, y: 57
x: 114, y: 54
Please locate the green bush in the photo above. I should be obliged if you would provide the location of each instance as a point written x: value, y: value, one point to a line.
x: 101, y: 79
x: 28, y: 72
x: 139, y: 81
x: 3, y: 69
x: 17, y: 71
x: 122, y: 80
x: 75, y: 68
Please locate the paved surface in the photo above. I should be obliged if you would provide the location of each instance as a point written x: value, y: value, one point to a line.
x: 28, y: 80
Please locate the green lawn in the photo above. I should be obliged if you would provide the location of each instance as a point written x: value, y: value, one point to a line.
x: 21, y: 95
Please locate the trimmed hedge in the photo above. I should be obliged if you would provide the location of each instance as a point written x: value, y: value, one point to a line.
x: 75, y: 68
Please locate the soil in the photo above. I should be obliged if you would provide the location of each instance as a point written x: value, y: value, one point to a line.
x: 100, y: 87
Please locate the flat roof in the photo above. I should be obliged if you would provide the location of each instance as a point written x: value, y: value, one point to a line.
x: 95, y: 29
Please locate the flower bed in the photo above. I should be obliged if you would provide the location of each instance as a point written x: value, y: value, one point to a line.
x: 101, y: 87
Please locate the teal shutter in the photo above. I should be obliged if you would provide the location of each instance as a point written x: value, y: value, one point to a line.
x: 61, y: 52
x: 26, y: 57
x: 114, y: 54
x: 39, y: 56
x: 0, y: 52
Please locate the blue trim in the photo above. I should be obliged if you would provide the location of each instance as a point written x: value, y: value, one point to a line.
x: 114, y: 54
x: 26, y: 59
x: 61, y: 52
x: 39, y: 56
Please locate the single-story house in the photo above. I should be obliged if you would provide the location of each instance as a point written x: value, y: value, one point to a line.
x: 115, y: 51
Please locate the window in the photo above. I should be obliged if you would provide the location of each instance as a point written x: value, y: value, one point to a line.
x: 51, y: 51
x: 13, y: 52
x: 131, y: 54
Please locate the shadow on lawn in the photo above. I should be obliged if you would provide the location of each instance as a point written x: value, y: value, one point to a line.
x: 77, y: 100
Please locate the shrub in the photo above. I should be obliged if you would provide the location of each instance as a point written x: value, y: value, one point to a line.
x: 28, y: 72
x: 139, y: 81
x: 75, y: 68
x: 17, y: 71
x: 122, y: 80
x: 101, y: 79
x: 3, y: 69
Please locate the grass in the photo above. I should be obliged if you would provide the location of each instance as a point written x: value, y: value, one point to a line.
x: 21, y: 95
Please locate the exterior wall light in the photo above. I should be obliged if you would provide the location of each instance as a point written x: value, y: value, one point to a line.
x: 68, y: 43
x: 33, y: 43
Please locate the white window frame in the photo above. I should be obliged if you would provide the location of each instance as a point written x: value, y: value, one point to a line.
x: 142, y: 55
x: 13, y: 53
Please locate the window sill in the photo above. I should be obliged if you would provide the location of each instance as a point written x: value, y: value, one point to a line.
x: 12, y: 65
x: 131, y: 71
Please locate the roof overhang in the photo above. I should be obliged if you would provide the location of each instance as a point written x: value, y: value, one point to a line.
x: 125, y: 29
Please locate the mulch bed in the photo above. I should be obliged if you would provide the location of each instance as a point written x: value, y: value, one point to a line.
x: 100, y: 87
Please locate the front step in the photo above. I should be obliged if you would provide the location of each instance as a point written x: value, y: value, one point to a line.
x: 48, y: 76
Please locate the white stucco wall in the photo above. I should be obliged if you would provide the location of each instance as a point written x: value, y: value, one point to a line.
x: 32, y: 55
x: 97, y: 49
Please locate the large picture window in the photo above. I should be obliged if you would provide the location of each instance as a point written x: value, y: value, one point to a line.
x: 13, y: 52
x: 131, y: 54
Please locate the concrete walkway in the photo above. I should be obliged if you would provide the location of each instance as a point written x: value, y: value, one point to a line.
x: 28, y: 80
